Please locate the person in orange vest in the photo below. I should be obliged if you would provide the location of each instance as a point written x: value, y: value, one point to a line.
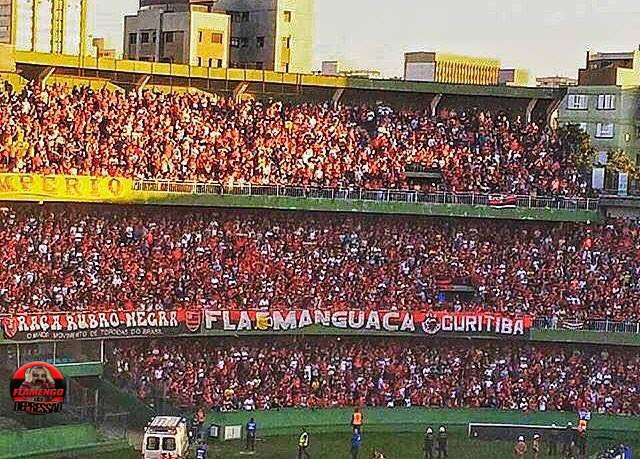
x: 521, y: 448
x: 357, y: 420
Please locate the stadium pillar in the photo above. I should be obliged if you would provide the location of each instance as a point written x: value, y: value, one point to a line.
x: 337, y: 95
x: 142, y: 82
x: 84, y: 6
x: 530, y: 107
x: 552, y: 109
x: 239, y: 90
x: 434, y: 103
x: 44, y: 75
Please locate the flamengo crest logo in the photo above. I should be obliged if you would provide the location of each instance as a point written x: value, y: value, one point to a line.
x: 38, y: 388
x: 10, y: 327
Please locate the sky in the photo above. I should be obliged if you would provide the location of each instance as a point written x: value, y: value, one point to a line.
x: 548, y: 37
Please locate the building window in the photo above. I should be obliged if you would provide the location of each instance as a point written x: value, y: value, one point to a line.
x: 199, y: 61
x: 154, y: 36
x: 200, y: 36
x: 584, y: 127
x: 604, y: 130
x: 216, y: 37
x: 260, y: 42
x: 168, y: 37
x: 144, y: 37
x: 244, y: 42
x: 133, y: 38
x: 602, y: 158
x: 245, y: 16
x: 219, y: 63
x: 286, y: 42
x: 576, y: 102
x: 606, y: 102
x: 287, y: 16
x: 210, y: 62
x: 259, y: 65
x: 235, y: 42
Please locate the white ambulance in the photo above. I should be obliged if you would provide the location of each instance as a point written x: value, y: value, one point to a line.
x: 166, y: 437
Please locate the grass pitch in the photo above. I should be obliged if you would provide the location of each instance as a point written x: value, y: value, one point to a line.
x: 393, y: 445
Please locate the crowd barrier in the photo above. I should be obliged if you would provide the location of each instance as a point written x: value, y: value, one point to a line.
x: 347, y: 194
x: 596, y: 325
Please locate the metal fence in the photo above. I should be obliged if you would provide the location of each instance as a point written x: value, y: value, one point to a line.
x: 348, y: 194
x: 597, y: 325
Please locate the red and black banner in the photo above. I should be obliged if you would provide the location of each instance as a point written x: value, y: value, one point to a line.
x: 417, y: 322
x: 94, y: 325
x: 131, y: 324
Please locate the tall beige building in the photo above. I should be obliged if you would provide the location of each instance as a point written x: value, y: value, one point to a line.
x: 264, y: 34
x: 47, y: 26
x: 178, y: 32
x: 6, y: 18
x: 271, y: 34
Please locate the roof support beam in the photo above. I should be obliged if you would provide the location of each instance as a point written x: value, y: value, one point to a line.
x: 142, y: 82
x: 239, y: 90
x: 44, y: 75
x: 434, y: 104
x: 530, y: 107
x: 337, y: 95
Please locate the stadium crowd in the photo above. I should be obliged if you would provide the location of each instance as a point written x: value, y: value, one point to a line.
x: 79, y: 131
x: 325, y: 372
x: 61, y: 258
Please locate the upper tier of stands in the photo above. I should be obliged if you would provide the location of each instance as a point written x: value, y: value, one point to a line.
x: 79, y: 131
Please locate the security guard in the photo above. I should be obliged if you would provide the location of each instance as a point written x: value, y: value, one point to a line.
x: 443, y: 443
x: 303, y: 444
x: 428, y: 443
x: 581, y: 443
x: 568, y: 441
x: 520, y: 449
x: 251, y: 434
x: 535, y: 446
x: 552, y: 440
x: 356, y: 420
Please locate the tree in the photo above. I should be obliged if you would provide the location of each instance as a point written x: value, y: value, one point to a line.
x: 579, y: 145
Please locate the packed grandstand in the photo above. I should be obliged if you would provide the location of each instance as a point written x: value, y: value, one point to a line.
x: 79, y: 131
x: 62, y: 259
x: 327, y: 373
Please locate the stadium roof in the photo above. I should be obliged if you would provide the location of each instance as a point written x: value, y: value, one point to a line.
x: 130, y: 71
